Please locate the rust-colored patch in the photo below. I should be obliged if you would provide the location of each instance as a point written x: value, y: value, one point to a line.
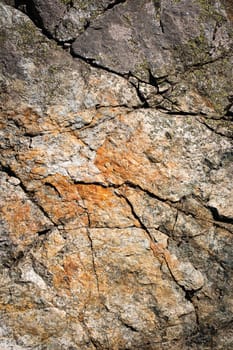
x: 32, y: 122
x: 60, y: 280
x: 73, y: 275
x: 61, y: 200
x: 21, y: 221
x: 105, y: 208
x: 127, y: 163
x: 21, y: 306
x: 96, y: 195
x: 66, y: 189
x: 34, y: 154
x: 39, y: 170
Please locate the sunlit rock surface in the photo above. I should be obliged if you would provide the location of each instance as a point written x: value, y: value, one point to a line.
x: 116, y: 175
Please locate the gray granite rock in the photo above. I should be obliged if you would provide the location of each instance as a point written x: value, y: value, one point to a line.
x: 177, y: 42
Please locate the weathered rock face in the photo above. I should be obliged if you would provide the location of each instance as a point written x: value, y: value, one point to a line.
x: 116, y: 175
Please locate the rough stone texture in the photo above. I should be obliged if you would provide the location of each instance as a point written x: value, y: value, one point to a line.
x: 116, y: 175
x: 180, y: 50
x: 64, y: 20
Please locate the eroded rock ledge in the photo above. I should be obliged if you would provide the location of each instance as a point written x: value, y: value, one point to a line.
x: 116, y: 175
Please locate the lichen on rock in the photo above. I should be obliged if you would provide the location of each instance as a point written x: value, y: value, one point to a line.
x: 115, y: 175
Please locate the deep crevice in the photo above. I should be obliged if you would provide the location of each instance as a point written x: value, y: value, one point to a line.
x: 113, y: 4
x: 29, y: 9
x: 161, y: 26
x: 6, y: 169
x: 128, y: 326
x: 127, y: 184
x: 143, y: 100
x: 213, y: 130
x: 218, y: 224
x: 189, y: 294
x: 135, y: 215
x: 118, y: 186
x: 94, y: 183
x: 48, y: 184
x: 151, y: 194
x: 152, y: 80
x: 93, y: 63
x: 218, y: 217
x: 43, y: 232
x: 182, y: 113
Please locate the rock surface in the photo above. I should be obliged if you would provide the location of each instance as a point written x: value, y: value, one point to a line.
x: 116, y: 175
